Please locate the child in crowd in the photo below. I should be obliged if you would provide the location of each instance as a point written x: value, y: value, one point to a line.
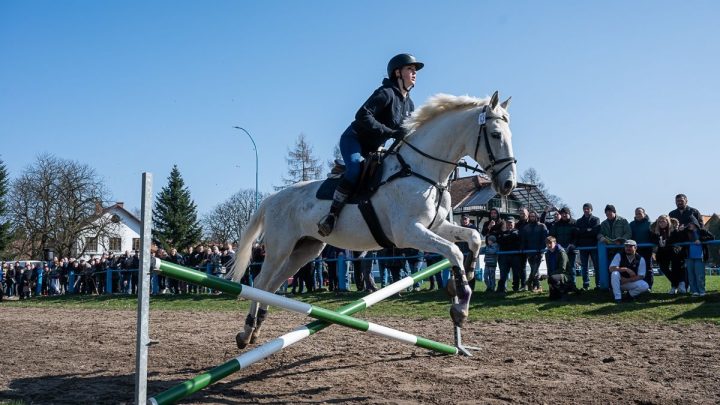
x: 491, y: 258
x: 696, y: 253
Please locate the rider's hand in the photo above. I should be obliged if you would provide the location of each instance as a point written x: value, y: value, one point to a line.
x: 400, y: 133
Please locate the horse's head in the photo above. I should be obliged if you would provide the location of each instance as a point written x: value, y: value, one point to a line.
x: 493, y: 146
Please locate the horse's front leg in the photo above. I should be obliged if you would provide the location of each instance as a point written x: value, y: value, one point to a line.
x: 456, y: 233
x: 421, y: 238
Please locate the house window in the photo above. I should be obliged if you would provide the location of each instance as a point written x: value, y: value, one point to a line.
x: 115, y: 244
x: 136, y: 244
x: 91, y: 244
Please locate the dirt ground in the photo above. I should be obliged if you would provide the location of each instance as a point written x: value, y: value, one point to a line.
x: 87, y: 357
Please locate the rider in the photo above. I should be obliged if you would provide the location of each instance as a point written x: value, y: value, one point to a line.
x: 378, y: 120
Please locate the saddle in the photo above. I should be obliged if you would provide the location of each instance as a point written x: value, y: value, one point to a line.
x: 369, y: 182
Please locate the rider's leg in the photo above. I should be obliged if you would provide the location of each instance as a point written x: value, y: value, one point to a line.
x: 351, y: 153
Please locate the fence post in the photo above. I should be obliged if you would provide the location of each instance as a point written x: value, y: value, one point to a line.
x: 38, y: 287
x: 341, y: 272
x: 602, y: 272
x: 108, y: 281
x: 71, y: 281
x: 142, y: 340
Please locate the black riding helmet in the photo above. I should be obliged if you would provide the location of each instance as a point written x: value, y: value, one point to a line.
x: 400, y: 60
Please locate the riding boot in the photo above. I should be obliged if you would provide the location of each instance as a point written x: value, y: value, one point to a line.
x: 342, y: 193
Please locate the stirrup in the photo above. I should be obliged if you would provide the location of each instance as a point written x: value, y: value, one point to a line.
x: 327, y: 224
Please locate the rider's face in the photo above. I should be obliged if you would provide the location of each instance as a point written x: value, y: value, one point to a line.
x: 408, y: 74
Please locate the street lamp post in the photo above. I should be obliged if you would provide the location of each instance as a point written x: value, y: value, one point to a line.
x: 256, y: 164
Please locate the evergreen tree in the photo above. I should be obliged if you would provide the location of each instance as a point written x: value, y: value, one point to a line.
x: 175, y: 222
x: 302, y: 165
x: 4, y: 220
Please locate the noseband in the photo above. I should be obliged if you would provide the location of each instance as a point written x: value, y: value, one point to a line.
x: 483, y: 131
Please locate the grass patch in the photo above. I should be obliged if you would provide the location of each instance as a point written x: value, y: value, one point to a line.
x: 657, y: 306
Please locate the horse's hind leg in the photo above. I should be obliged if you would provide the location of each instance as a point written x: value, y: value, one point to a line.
x: 273, y: 262
x: 305, y: 250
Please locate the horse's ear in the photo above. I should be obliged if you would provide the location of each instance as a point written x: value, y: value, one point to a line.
x: 505, y: 104
x: 494, y: 100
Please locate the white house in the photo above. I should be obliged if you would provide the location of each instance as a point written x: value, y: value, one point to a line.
x: 120, y: 231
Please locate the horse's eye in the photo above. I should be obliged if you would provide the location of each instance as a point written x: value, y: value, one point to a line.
x: 496, y: 135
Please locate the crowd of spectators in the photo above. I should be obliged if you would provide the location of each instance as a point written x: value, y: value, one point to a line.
x: 673, y: 242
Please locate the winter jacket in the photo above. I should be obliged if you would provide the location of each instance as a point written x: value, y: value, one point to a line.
x: 509, y: 240
x: 617, y: 230
x: 703, y: 235
x: 588, y: 229
x: 565, y: 232
x: 491, y: 256
x: 379, y: 116
x: 684, y: 216
x: 640, y: 230
x: 558, y: 263
x: 532, y: 236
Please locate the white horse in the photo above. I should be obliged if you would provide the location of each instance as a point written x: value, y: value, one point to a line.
x: 412, y: 210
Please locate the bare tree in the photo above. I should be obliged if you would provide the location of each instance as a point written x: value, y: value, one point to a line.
x: 302, y: 165
x: 336, y: 155
x: 226, y: 222
x: 56, y: 202
x: 531, y: 176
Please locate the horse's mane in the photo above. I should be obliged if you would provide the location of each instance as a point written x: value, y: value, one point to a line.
x: 440, y: 104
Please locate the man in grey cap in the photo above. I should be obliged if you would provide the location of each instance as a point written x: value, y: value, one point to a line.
x: 627, y: 272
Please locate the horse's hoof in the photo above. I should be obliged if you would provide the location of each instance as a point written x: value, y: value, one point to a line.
x: 458, y: 317
x: 240, y: 341
x: 254, y: 338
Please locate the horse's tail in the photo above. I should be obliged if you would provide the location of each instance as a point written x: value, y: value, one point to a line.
x: 243, y: 254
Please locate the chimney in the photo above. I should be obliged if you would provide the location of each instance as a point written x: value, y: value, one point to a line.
x: 98, y: 208
x: 120, y: 204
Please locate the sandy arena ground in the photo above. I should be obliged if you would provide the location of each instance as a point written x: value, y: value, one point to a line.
x: 87, y: 357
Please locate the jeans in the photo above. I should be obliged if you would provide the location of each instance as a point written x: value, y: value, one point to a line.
x: 489, y: 277
x: 585, y: 256
x: 351, y: 151
x: 696, y: 275
x: 534, y: 261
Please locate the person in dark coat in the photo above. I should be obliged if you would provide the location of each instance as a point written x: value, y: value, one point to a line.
x: 640, y: 229
x: 565, y: 232
x: 509, y: 240
x: 664, y: 234
x: 588, y: 228
x: 532, y: 238
x: 695, y: 255
x: 683, y: 212
x: 379, y: 119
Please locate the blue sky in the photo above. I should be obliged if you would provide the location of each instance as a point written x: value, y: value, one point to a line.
x: 613, y: 101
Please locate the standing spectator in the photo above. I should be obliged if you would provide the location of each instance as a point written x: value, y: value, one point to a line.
x: 627, y: 272
x: 683, y: 212
x: 664, y: 234
x: 258, y: 258
x: 366, y: 265
x: 640, y: 230
x: 330, y: 255
x: 565, y: 232
x: 303, y: 277
x: 549, y: 220
x: 491, y: 259
x: 561, y: 276
x: 357, y: 269
x: 520, y: 225
x: 492, y: 225
x: 695, y: 255
x: 394, y: 262
x: 588, y: 229
x: 2, y: 280
x: 23, y: 281
x: 509, y: 240
x: 10, y: 279
x: 430, y: 259
x: 413, y: 261
x: 465, y: 249
x: 174, y: 257
x: 532, y: 238
x: 614, y: 230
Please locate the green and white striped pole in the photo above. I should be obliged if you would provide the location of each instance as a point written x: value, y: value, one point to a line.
x: 201, y: 381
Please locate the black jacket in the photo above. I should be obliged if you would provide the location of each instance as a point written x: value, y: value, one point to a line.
x: 379, y: 116
x: 684, y: 216
x: 588, y: 230
x: 509, y: 240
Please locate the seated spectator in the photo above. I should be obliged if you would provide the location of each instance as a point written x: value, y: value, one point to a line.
x: 627, y: 272
x: 561, y: 275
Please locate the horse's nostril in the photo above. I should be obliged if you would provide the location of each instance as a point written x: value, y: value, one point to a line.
x: 508, y: 184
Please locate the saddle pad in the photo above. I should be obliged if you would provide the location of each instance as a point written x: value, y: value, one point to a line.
x: 327, y: 189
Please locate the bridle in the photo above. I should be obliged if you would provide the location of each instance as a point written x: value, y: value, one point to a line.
x: 406, y: 170
x: 482, y: 134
